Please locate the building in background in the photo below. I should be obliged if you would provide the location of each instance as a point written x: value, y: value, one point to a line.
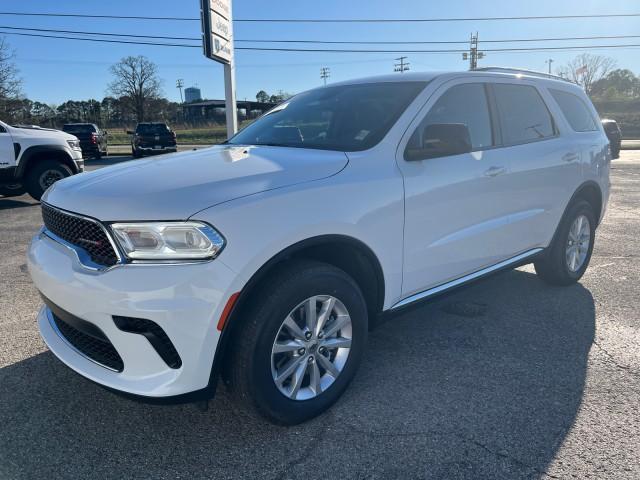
x: 192, y: 94
x: 202, y: 113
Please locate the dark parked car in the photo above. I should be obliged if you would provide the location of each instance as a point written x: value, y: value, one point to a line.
x: 152, y: 137
x: 93, y: 140
x: 614, y: 135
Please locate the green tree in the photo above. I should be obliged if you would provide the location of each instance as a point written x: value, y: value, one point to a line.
x: 262, y: 96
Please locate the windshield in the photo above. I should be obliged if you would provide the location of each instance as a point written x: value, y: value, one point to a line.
x: 152, y: 128
x: 346, y: 118
x: 78, y: 128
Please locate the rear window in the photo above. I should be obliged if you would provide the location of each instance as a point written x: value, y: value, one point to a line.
x: 575, y: 111
x: 78, y: 129
x: 152, y: 128
x: 524, y: 116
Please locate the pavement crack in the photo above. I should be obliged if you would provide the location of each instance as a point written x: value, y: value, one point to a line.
x: 613, y: 360
x: 508, y: 457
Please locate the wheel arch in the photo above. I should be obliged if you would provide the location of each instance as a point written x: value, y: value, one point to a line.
x: 53, y: 152
x: 347, y: 253
x: 591, y: 192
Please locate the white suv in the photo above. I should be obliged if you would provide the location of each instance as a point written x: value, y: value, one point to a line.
x: 33, y: 158
x: 266, y: 259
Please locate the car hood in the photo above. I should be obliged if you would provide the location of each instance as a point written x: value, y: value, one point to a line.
x: 40, y: 133
x: 175, y: 186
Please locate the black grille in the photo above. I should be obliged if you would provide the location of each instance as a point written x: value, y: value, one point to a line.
x: 95, y: 346
x: 156, y: 336
x: 80, y: 232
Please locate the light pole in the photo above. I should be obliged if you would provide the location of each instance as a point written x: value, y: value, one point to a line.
x: 401, y: 66
x: 325, y: 73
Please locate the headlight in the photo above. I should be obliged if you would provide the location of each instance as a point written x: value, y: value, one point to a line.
x: 168, y: 240
x: 74, y: 144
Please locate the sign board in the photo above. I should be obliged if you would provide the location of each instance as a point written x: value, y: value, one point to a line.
x: 217, y: 30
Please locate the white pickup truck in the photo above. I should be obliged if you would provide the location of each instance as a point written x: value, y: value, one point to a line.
x: 33, y: 158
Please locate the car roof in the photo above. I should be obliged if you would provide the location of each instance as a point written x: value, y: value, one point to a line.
x: 490, y: 72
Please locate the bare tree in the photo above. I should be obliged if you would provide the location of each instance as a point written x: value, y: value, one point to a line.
x: 587, y: 69
x: 136, y: 83
x: 10, y: 83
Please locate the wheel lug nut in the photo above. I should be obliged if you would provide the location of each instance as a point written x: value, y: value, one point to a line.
x: 310, y: 360
x: 322, y: 350
x: 301, y: 351
x: 321, y: 334
x: 307, y: 335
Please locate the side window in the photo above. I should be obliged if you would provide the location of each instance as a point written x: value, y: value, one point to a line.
x: 575, y: 111
x: 524, y: 116
x: 458, y: 122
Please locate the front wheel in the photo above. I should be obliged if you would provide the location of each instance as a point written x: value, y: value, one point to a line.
x: 569, y: 254
x: 300, y: 343
x: 43, y: 175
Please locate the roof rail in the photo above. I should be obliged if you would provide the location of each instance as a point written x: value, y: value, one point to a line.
x: 523, y: 71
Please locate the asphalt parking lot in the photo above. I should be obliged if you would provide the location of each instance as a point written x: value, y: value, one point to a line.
x: 507, y: 379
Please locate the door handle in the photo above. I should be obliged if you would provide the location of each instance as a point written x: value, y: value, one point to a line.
x: 570, y: 157
x: 494, y: 171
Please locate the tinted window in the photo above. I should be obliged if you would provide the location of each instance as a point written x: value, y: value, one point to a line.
x: 575, y: 111
x: 78, y: 128
x: 345, y: 118
x: 152, y: 128
x: 460, y: 105
x: 524, y: 116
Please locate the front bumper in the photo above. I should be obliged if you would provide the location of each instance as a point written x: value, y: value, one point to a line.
x: 185, y: 300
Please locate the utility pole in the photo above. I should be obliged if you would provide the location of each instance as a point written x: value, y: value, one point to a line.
x: 401, y: 66
x: 474, y: 54
x: 325, y: 73
x: 179, y: 85
x: 550, y: 61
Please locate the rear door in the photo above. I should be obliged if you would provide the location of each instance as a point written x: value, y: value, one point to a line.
x: 456, y: 207
x: 545, y: 167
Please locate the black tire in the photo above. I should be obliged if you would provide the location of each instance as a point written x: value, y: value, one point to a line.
x: 14, y: 190
x: 553, y: 267
x: 36, y: 185
x: 135, y: 153
x: 250, y: 372
x: 98, y: 155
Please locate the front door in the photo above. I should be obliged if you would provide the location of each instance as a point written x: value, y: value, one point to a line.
x: 456, y: 206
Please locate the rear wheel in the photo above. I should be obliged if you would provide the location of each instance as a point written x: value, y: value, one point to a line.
x: 300, y: 343
x: 570, y: 253
x: 135, y: 153
x: 43, y: 175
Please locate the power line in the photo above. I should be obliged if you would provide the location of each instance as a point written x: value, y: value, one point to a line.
x: 77, y: 15
x: 327, y: 50
x: 110, y: 34
x: 327, y: 42
x: 423, y: 20
x: 102, y: 40
x: 428, y: 42
x: 327, y: 20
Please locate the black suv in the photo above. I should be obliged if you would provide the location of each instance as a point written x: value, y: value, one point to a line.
x: 614, y: 134
x: 93, y: 141
x: 152, y: 137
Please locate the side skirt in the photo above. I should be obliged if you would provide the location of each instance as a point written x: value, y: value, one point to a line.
x: 513, y: 262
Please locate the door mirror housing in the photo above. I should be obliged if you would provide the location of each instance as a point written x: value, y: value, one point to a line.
x: 439, y: 140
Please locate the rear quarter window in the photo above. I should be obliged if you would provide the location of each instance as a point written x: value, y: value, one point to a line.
x: 575, y: 111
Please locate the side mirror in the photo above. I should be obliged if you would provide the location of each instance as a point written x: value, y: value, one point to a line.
x: 439, y: 140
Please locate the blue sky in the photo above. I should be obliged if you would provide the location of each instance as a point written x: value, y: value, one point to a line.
x: 56, y: 70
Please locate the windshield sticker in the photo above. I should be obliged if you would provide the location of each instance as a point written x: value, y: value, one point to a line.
x: 362, y: 134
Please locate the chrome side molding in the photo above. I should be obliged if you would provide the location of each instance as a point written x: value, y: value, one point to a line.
x: 467, y: 278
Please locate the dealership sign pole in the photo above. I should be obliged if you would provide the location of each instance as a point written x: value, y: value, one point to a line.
x: 217, y: 41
